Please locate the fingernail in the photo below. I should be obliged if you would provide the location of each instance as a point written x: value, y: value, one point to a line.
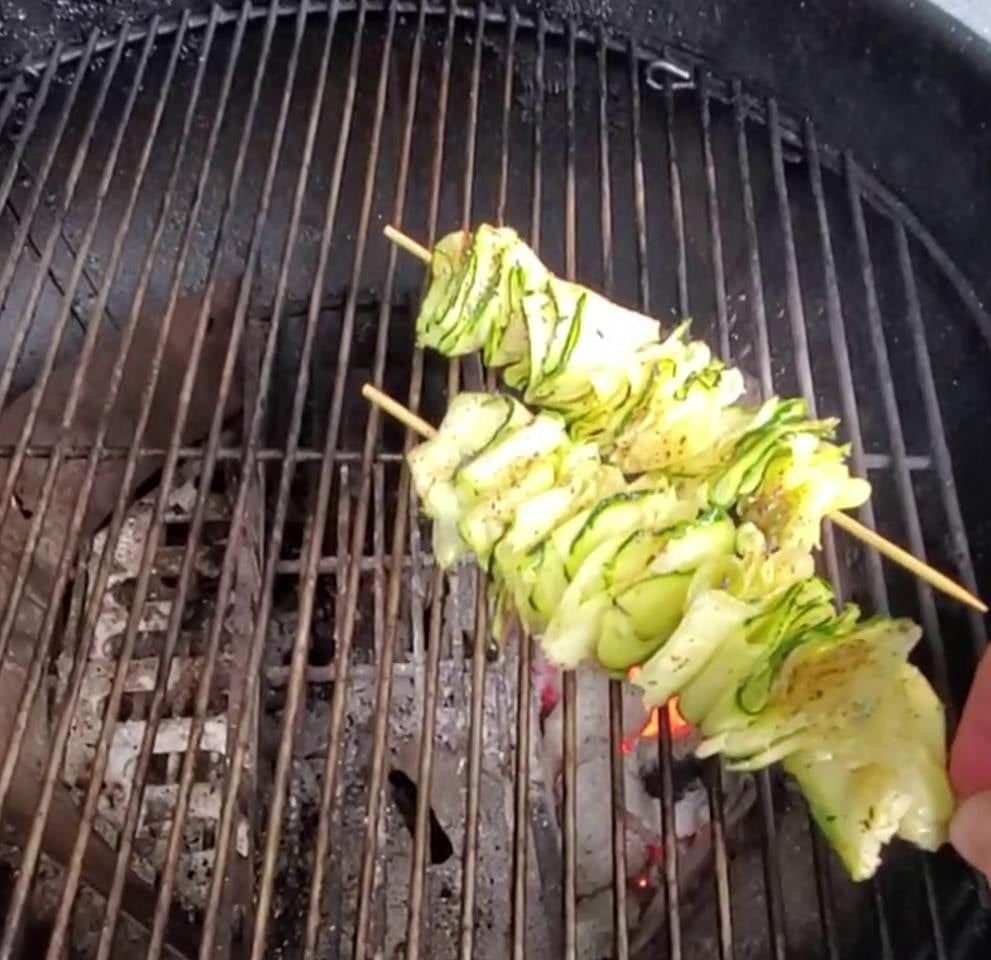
x: 970, y: 831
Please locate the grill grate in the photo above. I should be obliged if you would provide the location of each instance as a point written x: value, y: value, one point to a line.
x: 191, y: 210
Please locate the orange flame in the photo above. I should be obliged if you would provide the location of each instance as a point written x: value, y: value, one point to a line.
x: 651, y: 730
x: 679, y: 725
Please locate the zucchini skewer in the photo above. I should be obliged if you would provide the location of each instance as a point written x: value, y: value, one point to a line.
x: 571, y: 373
x: 763, y: 663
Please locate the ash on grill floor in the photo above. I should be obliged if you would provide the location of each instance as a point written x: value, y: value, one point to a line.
x: 448, y: 801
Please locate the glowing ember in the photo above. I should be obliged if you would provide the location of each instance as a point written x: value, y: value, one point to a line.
x: 548, y: 698
x: 643, y: 881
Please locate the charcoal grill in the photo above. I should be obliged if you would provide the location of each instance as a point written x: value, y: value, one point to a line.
x: 228, y: 654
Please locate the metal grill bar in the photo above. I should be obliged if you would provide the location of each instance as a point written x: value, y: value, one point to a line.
x: 32, y: 848
x: 20, y: 893
x: 292, y: 441
x: 841, y: 353
x: 796, y: 311
x: 800, y: 348
x: 906, y: 493
x: 122, y: 860
x: 167, y: 879
x: 13, y: 600
x: 756, y: 289
x: 414, y: 926
x: 772, y: 866
x: 639, y: 190
x: 525, y: 651
x: 48, y: 364
x: 569, y: 687
x: 871, y: 461
x: 937, y: 434
x: 261, y: 215
x: 712, y: 208
x: 521, y: 771
x: 714, y: 778
x: 386, y: 647
x: 72, y: 879
x: 803, y: 365
x: 99, y: 763
x: 664, y: 743
x: 314, y: 531
x: 621, y: 940
x: 841, y: 357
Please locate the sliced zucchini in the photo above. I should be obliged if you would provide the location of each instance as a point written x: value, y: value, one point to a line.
x: 472, y: 422
x: 615, y: 516
x: 887, y: 776
x: 857, y: 809
x: 640, y: 619
x: 711, y: 621
x: 807, y: 479
x: 484, y: 523
x: 448, y: 265
x: 511, y: 455
x: 824, y: 689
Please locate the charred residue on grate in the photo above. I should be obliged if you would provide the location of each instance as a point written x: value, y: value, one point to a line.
x: 670, y: 189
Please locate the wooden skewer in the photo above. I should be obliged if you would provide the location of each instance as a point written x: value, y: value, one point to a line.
x: 395, y: 409
x: 856, y: 529
x: 905, y: 559
x: 407, y: 243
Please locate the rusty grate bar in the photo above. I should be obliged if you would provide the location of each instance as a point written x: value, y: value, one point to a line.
x: 879, y: 352
x: 621, y: 938
x: 72, y: 880
x: 937, y: 431
x: 312, y: 538
x: 715, y: 779
x: 18, y: 243
x: 803, y: 366
x: 122, y: 861
x: 21, y: 891
x: 569, y: 688
x: 671, y: 880
x: 292, y: 440
x: 772, y: 865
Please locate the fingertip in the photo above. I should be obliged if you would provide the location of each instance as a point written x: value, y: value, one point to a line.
x: 970, y: 831
x: 970, y: 762
x: 970, y: 756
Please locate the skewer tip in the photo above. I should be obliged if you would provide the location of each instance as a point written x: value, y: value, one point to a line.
x: 407, y: 243
x: 404, y: 415
x: 905, y: 559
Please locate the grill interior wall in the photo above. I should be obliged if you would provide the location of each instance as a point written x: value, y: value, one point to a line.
x: 700, y: 204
